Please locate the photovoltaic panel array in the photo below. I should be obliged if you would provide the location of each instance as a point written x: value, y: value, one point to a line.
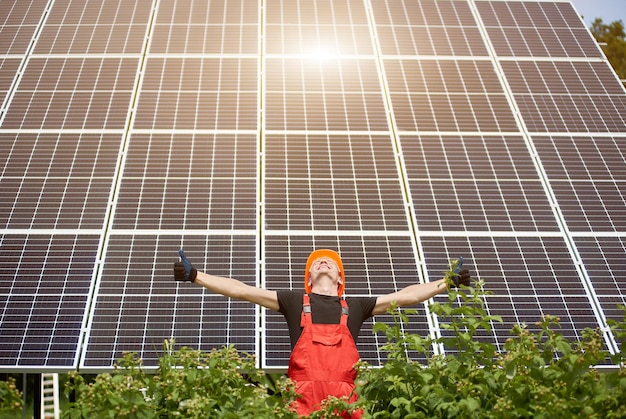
x: 401, y: 133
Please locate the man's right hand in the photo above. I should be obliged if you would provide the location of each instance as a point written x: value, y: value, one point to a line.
x: 184, y: 270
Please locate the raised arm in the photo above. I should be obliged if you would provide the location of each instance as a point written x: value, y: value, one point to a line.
x: 229, y: 287
x: 417, y: 293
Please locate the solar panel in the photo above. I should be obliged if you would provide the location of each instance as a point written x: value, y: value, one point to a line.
x: 403, y: 134
x: 45, y: 288
x: 138, y: 306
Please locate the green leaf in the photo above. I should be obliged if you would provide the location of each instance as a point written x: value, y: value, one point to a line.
x: 511, y: 370
x: 399, y: 401
x: 379, y: 327
x: 564, y: 347
x: 191, y: 375
x: 470, y: 404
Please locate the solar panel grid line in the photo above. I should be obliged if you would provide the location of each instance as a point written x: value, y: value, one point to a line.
x: 49, y: 232
x: 334, y: 193
x: 497, y: 66
x: 22, y: 181
x: 384, y: 89
x: 58, y: 315
x: 193, y: 55
x: 548, y: 28
x: 261, y: 320
x: 382, y: 77
x: 261, y: 117
x: 600, y: 72
x: 302, y: 133
x: 162, y: 163
x: 468, y: 134
x: 578, y: 117
x: 56, y: 131
x: 151, y: 304
x: 556, y: 60
x: 10, y: 90
x: 8, y: 18
x: 52, y: 19
x: 452, y: 252
x: 69, y: 189
x: 74, y: 38
x: 592, y: 234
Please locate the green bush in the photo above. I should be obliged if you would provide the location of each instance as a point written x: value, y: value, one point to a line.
x: 188, y: 383
x: 10, y: 399
x: 537, y: 375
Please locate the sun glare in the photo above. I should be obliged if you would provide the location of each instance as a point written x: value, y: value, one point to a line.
x: 320, y: 54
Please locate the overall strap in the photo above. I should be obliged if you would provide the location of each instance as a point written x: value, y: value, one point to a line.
x: 305, y: 318
x: 344, y: 312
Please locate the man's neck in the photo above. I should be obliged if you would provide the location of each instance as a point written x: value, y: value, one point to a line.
x: 325, y: 288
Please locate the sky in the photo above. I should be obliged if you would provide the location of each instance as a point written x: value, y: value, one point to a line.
x: 608, y: 10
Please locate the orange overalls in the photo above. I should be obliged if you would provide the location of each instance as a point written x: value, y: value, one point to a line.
x: 322, y: 362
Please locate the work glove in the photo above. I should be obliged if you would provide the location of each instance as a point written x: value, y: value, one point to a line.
x: 184, y: 270
x: 461, y: 275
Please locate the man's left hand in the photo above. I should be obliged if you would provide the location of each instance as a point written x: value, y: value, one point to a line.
x: 462, y: 277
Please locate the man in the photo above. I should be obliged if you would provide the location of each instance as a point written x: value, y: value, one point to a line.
x: 323, y: 326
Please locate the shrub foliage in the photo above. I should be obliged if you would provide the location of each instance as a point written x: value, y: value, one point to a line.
x: 537, y: 374
x: 188, y: 384
x: 10, y: 398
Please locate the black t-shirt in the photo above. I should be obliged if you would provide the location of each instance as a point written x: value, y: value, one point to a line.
x: 324, y: 310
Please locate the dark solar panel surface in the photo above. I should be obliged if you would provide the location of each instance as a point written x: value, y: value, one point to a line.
x: 401, y: 133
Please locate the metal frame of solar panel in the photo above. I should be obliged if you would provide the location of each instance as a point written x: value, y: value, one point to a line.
x: 402, y: 134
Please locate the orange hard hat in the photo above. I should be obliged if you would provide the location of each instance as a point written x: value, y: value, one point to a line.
x: 320, y: 253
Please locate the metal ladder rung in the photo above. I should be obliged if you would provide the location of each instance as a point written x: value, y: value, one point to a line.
x: 50, y: 396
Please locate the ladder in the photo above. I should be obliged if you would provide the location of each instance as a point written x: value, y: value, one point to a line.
x: 50, y: 396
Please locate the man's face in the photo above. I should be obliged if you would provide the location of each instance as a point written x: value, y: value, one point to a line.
x: 324, y: 266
